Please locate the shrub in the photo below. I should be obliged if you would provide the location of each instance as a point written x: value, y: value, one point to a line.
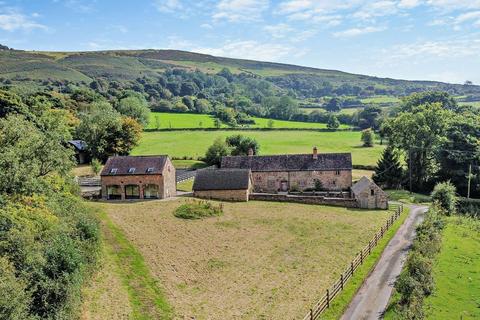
x: 198, y: 210
x: 367, y: 137
x: 318, y: 185
x: 444, y: 194
x: 96, y: 166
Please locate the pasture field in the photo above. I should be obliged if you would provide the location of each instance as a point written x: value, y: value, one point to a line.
x: 381, y: 99
x: 259, y: 260
x: 195, y: 143
x: 473, y: 103
x: 457, y: 273
x: 170, y: 120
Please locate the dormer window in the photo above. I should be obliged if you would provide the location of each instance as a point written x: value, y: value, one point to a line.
x: 113, y: 171
x: 131, y: 170
x: 150, y: 170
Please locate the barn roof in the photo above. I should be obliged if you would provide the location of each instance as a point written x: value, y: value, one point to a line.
x: 221, y: 179
x: 80, y: 145
x: 134, y: 165
x: 363, y: 184
x: 290, y: 162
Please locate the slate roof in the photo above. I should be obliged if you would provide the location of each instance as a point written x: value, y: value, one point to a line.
x: 80, y: 145
x: 221, y: 179
x: 363, y: 184
x: 140, y: 163
x: 290, y: 162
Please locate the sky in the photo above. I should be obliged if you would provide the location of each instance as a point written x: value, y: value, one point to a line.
x: 402, y: 39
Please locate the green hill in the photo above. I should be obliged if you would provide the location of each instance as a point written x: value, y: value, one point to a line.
x: 83, y: 67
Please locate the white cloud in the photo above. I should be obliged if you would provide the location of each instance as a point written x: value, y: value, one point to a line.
x: 168, y: 5
x: 278, y: 31
x: 408, y: 3
x: 250, y: 49
x: 463, y: 47
x: 376, y: 9
x: 473, y: 15
x: 11, y: 21
x: 240, y: 10
x: 206, y: 26
x: 353, y: 32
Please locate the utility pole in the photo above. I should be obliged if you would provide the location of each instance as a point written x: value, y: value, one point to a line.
x: 469, y: 179
x: 410, y: 167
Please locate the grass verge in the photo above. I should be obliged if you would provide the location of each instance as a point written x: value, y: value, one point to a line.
x: 185, y: 186
x: 341, y: 302
x: 146, y: 298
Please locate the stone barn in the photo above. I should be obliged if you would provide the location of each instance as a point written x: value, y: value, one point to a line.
x: 142, y: 177
x: 369, y: 195
x: 223, y: 184
x: 81, y: 154
x: 299, y: 172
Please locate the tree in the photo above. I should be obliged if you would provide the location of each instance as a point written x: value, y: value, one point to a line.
x: 226, y: 73
x: 241, y: 145
x: 215, y: 152
x: 367, y: 137
x: 217, y: 123
x: 157, y: 121
x: 389, y: 171
x: 334, y: 105
x: 332, y: 122
x: 136, y: 107
x: 429, y: 97
x: 11, y: 103
x: 96, y: 166
x: 444, y: 194
x: 370, y: 117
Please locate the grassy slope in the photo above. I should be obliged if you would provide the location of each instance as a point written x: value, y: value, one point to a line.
x: 341, y: 302
x: 457, y: 273
x: 208, y: 267
x: 195, y: 143
x: 188, y: 120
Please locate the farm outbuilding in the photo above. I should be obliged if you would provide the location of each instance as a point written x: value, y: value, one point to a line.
x: 141, y: 177
x: 223, y: 184
x: 81, y: 154
x: 369, y: 195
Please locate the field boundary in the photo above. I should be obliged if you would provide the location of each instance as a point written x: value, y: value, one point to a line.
x: 324, y: 302
x: 252, y: 129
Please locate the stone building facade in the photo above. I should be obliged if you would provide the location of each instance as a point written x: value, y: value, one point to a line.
x: 223, y: 184
x: 369, y: 195
x: 142, y: 177
x: 282, y: 173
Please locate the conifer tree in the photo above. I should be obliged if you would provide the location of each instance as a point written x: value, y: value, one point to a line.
x: 389, y: 171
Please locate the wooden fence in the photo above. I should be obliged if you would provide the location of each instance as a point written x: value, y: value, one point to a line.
x: 337, y: 287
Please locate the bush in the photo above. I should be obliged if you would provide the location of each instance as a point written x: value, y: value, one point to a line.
x: 444, y: 194
x: 318, y: 185
x: 198, y: 210
x: 215, y: 152
x: 96, y: 166
x: 468, y: 207
x: 367, y: 137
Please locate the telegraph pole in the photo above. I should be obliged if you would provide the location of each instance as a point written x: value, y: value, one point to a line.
x: 410, y: 168
x: 469, y: 179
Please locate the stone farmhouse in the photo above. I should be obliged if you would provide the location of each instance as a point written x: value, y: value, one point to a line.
x: 223, y: 184
x: 282, y: 173
x: 141, y: 177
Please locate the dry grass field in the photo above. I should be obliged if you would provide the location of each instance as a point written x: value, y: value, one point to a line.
x: 260, y: 260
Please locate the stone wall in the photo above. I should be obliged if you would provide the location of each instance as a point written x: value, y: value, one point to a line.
x: 379, y: 199
x: 340, y: 202
x: 227, y: 195
x: 282, y: 181
x: 169, y: 188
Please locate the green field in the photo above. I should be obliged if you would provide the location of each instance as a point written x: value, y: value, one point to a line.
x: 381, y: 99
x: 457, y: 273
x: 189, y: 120
x: 473, y: 103
x: 195, y: 143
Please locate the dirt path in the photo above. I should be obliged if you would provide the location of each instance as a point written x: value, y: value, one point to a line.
x: 372, y: 298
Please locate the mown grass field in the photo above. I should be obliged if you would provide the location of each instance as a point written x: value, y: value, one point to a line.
x: 195, y: 143
x: 260, y: 260
x: 457, y: 273
x: 170, y: 120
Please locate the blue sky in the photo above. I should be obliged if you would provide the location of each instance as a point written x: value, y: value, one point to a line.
x: 407, y: 39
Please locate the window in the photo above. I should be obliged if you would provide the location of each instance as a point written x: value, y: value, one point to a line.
x: 132, y: 191
x: 131, y: 170
x: 372, y: 192
x: 337, y: 172
x: 114, y: 192
x: 114, y: 170
x: 149, y: 170
x: 150, y: 191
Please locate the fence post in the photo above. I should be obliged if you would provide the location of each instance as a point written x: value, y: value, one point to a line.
x: 311, y: 314
x: 341, y: 281
x: 361, y: 256
x: 328, y: 299
x: 369, y: 247
x: 351, y: 265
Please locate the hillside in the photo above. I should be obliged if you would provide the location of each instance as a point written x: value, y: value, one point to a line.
x: 42, y: 68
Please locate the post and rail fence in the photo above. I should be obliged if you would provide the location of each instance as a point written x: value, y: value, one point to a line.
x: 324, y: 302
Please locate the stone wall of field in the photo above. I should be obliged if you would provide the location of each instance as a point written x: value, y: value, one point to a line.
x: 339, y: 202
x: 227, y: 195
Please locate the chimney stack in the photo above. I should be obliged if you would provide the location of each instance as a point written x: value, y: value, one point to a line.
x: 250, y: 152
x: 315, y: 153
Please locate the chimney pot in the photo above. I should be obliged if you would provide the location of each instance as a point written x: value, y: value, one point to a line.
x: 315, y: 153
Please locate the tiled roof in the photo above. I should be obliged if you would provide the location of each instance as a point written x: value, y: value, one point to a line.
x: 221, y: 179
x: 290, y: 162
x: 141, y: 165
